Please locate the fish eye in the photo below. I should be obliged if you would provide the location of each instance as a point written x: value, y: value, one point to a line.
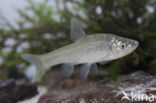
x: 122, y: 46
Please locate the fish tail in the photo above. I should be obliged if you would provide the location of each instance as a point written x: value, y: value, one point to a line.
x: 37, y: 61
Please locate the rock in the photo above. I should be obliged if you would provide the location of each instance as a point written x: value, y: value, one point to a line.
x: 105, y: 91
x: 12, y: 90
x: 7, y: 85
x: 41, y: 90
x: 24, y: 90
x: 5, y: 98
x: 14, y: 73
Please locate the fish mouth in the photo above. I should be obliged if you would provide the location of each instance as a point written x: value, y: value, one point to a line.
x: 135, y: 44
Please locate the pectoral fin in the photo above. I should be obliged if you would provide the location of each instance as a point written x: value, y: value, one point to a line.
x: 76, y: 30
x: 103, y: 63
x: 84, y: 70
x: 68, y: 69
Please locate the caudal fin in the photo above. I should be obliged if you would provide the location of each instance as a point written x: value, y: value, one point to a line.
x: 36, y: 60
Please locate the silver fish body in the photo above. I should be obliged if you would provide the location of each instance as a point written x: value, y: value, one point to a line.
x: 90, y: 49
x: 86, y: 50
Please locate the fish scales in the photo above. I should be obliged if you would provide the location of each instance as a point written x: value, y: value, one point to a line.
x: 81, y: 51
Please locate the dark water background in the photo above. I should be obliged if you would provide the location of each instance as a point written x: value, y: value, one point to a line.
x: 44, y: 26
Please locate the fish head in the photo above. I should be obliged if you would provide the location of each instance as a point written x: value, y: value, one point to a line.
x: 122, y: 46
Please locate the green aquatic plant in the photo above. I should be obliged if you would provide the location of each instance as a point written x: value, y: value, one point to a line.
x: 130, y: 18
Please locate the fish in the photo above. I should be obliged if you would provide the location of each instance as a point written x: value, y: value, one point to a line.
x: 87, y: 50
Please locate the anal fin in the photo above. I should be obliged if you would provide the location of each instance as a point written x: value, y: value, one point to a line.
x: 94, y: 69
x: 68, y: 69
x: 84, y: 70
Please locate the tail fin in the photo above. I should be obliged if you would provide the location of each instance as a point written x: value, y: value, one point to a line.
x: 36, y: 60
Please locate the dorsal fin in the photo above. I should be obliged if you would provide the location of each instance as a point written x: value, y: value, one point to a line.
x: 76, y: 30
